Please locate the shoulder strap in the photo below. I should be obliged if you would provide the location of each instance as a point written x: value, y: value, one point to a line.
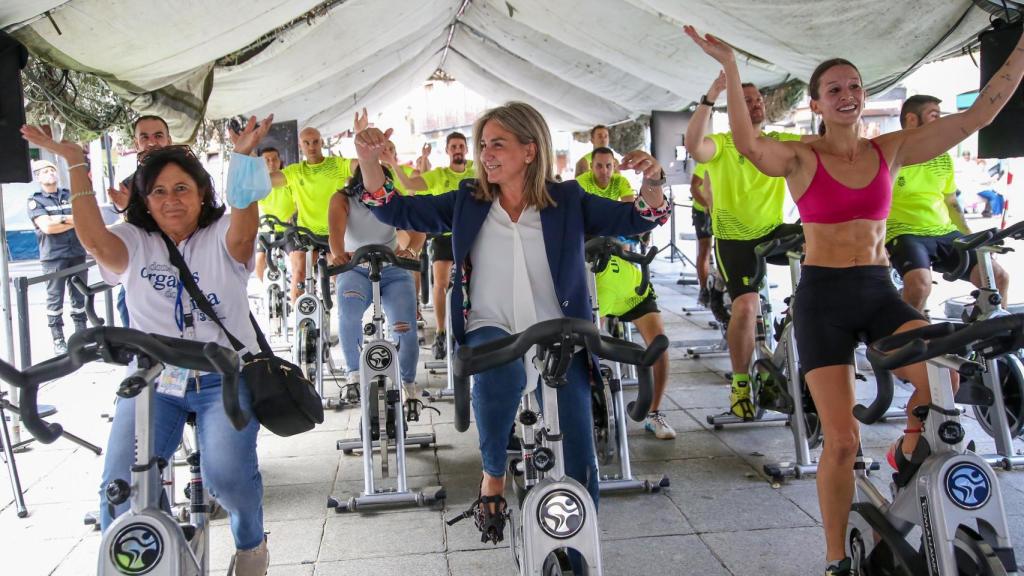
x: 185, y: 276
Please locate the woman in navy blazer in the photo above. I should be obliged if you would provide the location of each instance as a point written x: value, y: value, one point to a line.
x: 513, y: 207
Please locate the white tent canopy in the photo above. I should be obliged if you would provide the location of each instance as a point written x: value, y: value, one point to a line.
x: 580, y: 63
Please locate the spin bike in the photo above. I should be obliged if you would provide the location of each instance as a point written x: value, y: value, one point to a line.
x: 1001, y: 412
x: 145, y: 539
x: 557, y: 513
x: 384, y: 413
x: 275, y: 296
x: 607, y: 401
x: 312, y: 321
x: 945, y: 494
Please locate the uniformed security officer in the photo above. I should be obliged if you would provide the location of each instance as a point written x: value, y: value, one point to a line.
x: 59, y: 249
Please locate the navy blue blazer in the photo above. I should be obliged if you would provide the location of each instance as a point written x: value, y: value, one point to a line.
x: 575, y: 214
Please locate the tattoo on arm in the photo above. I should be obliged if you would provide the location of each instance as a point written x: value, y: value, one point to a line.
x: 996, y: 98
x: 1007, y: 77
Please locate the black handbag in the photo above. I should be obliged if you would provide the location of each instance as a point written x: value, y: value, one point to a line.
x: 283, y: 399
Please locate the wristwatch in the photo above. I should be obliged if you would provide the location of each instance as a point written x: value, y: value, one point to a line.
x: 655, y: 183
x: 705, y: 102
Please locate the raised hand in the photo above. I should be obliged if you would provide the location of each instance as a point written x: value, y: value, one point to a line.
x: 371, y: 142
x: 717, y: 87
x: 711, y: 45
x: 119, y: 196
x: 642, y: 162
x: 249, y: 138
x: 360, y: 123
x: 68, y: 150
x: 425, y: 151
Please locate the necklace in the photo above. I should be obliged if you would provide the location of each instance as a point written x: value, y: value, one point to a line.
x: 517, y: 211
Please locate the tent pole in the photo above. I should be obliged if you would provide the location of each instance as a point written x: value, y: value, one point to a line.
x: 5, y: 316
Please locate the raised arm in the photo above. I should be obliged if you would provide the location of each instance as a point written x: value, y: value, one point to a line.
x: 108, y: 249
x: 697, y: 143
x: 771, y: 157
x: 245, y: 222
x: 928, y: 141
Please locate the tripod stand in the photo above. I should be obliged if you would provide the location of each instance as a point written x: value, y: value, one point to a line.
x: 673, y: 251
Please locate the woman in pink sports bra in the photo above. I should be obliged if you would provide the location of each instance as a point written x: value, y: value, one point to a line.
x: 842, y: 186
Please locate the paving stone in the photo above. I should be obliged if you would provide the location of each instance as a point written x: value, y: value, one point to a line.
x: 685, y: 445
x: 493, y: 562
x: 295, y: 502
x: 410, y: 565
x: 299, y: 470
x: 374, y: 535
x: 751, y: 508
x: 703, y: 473
x: 676, y: 555
x: 639, y: 514
x: 789, y: 551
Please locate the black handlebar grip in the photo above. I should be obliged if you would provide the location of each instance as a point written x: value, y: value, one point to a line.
x: 226, y: 362
x: 1015, y: 232
x: 963, y: 246
x: 639, y: 408
x: 90, y: 299
x: 460, y: 381
x: 325, y: 283
x: 645, y: 271
x: 42, y: 431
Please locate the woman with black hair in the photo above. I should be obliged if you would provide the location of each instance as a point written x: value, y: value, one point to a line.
x: 175, y: 198
x: 353, y: 226
x: 842, y: 186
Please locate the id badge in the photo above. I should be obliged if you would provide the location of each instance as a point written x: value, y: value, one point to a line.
x: 174, y: 381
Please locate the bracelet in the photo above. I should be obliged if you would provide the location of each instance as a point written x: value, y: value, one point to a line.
x: 81, y: 194
x: 79, y: 165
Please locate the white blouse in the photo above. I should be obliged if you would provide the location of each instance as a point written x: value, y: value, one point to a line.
x: 511, y: 286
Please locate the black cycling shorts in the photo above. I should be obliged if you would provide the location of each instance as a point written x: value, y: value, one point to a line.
x: 737, y: 263
x: 909, y: 252
x: 441, y: 249
x: 836, y: 308
x: 701, y: 223
x: 646, y: 306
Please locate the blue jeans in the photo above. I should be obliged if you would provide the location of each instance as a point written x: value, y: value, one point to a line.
x: 398, y: 298
x: 230, y: 470
x: 122, y: 308
x: 496, y: 396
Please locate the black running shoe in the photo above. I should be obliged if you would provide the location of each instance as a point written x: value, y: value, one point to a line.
x: 844, y: 568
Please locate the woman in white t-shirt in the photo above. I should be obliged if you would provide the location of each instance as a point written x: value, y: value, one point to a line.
x: 175, y: 197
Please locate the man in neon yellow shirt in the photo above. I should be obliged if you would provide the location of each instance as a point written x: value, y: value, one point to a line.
x: 601, y: 179
x: 617, y: 284
x: 700, y: 190
x: 442, y: 180
x: 312, y: 182
x: 600, y: 137
x: 746, y: 210
x: 926, y: 218
x: 279, y: 204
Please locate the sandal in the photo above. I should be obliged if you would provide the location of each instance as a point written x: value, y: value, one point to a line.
x: 491, y: 524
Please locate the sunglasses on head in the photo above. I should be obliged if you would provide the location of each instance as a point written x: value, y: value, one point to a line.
x: 179, y: 151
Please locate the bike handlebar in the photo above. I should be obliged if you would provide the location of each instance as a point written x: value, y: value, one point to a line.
x: 119, y: 346
x: 963, y: 246
x: 90, y: 292
x: 550, y: 334
x: 992, y: 337
x: 272, y: 221
x: 599, y: 250
x: 304, y: 238
x: 770, y: 248
x: 1015, y: 232
x: 376, y: 255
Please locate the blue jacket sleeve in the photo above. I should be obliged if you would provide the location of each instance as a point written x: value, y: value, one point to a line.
x: 604, y: 217
x: 426, y: 213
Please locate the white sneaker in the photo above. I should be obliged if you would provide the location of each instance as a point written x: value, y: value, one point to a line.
x: 352, y: 378
x: 655, y: 422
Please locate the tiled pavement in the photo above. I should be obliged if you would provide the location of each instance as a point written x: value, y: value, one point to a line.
x: 719, y: 517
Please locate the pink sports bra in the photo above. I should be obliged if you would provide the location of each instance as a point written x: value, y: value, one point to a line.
x: 828, y: 201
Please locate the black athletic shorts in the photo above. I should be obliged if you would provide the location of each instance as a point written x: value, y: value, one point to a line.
x: 909, y: 252
x: 835, y: 308
x: 441, y: 249
x: 737, y: 263
x: 701, y: 223
x: 645, y: 307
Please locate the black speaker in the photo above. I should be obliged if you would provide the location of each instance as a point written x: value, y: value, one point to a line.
x: 14, y: 161
x: 1004, y: 137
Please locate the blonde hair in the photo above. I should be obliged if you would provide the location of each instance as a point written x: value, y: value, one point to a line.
x: 529, y: 127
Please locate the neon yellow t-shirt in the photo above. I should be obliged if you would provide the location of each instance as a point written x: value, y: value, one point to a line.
x: 699, y: 171
x: 443, y: 179
x: 313, y: 185
x: 618, y: 186
x: 398, y: 181
x: 279, y: 204
x: 746, y: 203
x: 919, y: 199
x: 616, y: 287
